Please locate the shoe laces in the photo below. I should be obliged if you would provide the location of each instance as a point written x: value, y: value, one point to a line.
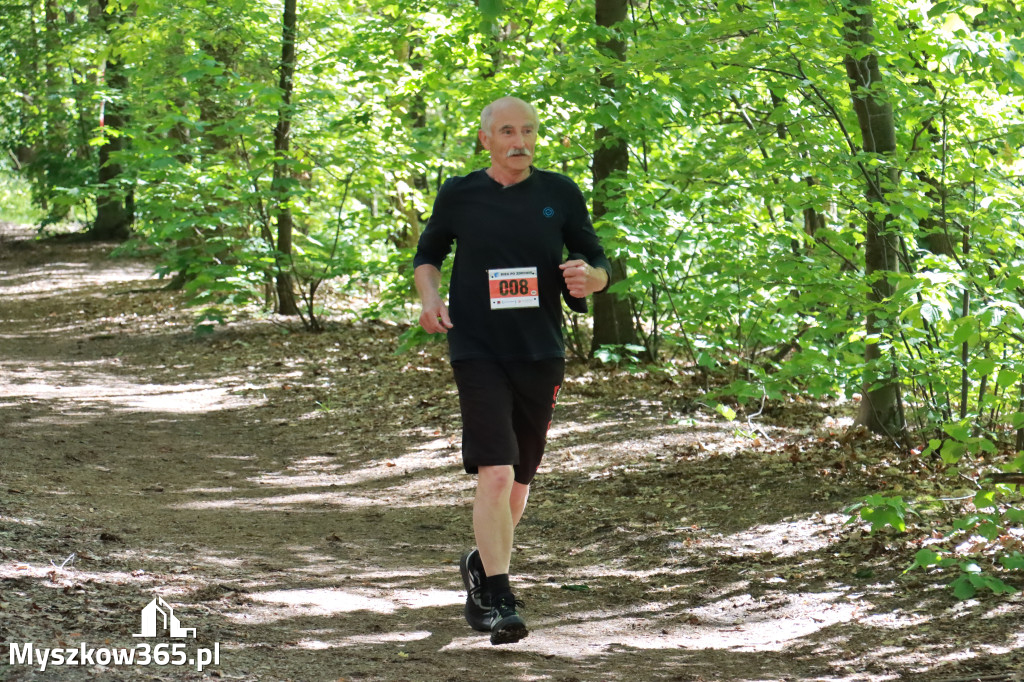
x: 507, y: 605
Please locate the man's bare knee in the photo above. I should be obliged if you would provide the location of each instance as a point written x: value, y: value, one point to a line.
x: 495, y: 480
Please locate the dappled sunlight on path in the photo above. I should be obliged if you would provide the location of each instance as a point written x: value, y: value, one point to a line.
x: 80, y: 389
x: 299, y: 499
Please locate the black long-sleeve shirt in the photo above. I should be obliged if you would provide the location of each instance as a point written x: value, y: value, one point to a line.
x: 499, y: 308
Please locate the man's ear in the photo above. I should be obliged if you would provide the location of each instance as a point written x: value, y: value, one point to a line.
x: 484, y: 140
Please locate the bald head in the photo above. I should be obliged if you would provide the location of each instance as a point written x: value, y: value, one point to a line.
x: 508, y: 130
x: 505, y: 104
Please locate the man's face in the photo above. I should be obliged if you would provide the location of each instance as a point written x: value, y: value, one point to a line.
x: 511, y: 139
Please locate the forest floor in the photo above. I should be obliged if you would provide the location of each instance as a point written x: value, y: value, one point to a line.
x: 297, y: 499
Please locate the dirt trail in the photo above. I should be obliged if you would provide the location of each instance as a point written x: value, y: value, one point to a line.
x: 297, y: 500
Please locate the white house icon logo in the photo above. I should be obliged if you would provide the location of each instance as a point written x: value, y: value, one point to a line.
x: 156, y: 611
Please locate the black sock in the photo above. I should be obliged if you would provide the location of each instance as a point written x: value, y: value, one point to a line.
x: 497, y: 585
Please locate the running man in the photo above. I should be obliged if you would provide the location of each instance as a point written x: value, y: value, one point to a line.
x: 510, y: 224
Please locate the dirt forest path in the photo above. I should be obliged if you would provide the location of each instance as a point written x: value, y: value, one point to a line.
x: 297, y: 500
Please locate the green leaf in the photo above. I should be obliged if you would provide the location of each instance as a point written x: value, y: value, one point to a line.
x: 491, y: 9
x: 952, y: 451
x: 1014, y: 515
x: 884, y: 515
x: 1013, y: 562
x: 931, y: 313
x: 985, y: 445
x: 963, y: 588
x: 985, y: 499
x: 924, y: 558
x: 998, y: 586
x: 961, y: 431
x: 1007, y: 378
x: 966, y: 328
x: 726, y: 411
x: 984, y: 366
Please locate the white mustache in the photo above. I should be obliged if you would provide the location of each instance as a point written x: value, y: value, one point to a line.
x: 517, y: 151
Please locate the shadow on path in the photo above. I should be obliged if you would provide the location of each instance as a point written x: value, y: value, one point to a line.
x: 298, y: 500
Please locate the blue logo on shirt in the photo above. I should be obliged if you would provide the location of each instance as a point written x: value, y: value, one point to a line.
x: 548, y: 211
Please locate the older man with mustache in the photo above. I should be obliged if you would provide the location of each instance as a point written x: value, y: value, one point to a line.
x: 511, y: 224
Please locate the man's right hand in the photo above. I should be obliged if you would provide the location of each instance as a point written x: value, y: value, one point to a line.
x: 434, y: 318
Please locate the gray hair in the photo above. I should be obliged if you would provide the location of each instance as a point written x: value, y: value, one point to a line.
x: 487, y: 114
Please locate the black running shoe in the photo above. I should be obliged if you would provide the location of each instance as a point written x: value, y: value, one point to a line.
x: 507, y: 626
x: 478, y: 603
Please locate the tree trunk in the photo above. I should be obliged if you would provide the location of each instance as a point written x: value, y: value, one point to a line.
x: 280, y: 187
x: 113, y: 213
x: 613, y: 319
x: 404, y: 201
x: 880, y: 409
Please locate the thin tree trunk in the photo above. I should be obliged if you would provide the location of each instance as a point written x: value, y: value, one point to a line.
x: 286, y: 303
x: 880, y: 408
x: 50, y: 148
x: 613, y: 319
x: 404, y: 202
x: 113, y: 214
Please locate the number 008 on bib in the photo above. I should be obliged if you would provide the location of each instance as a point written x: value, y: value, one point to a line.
x: 513, y: 288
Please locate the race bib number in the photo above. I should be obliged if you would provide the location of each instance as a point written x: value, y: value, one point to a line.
x: 513, y: 288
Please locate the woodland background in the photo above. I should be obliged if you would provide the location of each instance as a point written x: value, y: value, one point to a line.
x: 805, y: 198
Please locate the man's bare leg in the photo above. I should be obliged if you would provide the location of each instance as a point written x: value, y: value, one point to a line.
x: 497, y: 508
x: 517, y: 501
x: 493, y: 520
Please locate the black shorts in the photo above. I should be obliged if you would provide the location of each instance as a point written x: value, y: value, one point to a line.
x: 506, y: 412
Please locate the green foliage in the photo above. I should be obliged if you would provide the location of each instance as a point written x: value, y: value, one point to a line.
x: 970, y: 576
x: 415, y: 337
x: 730, y: 166
x: 51, y: 59
x: 726, y: 411
x: 882, y: 512
x: 15, y: 199
x: 974, y: 539
x: 628, y: 354
x: 741, y: 218
x: 983, y: 535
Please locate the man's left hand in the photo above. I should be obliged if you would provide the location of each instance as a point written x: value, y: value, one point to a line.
x: 582, y: 279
